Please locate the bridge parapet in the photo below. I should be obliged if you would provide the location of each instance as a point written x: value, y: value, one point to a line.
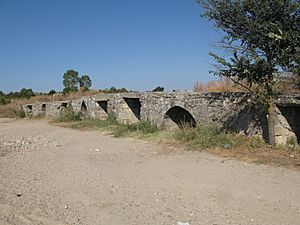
x: 233, y: 111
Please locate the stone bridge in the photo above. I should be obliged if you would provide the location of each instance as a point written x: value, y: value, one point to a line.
x: 233, y: 111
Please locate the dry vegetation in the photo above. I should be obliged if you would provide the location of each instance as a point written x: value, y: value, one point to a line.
x: 12, y: 109
x: 201, y: 138
x: 223, y: 84
x: 289, y: 84
x: 58, y: 97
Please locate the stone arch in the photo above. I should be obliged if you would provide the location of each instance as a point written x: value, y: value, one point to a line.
x: 290, y: 125
x: 83, y: 108
x: 29, y: 109
x: 178, y: 116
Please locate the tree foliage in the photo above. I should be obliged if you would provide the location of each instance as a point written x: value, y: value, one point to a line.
x: 158, y: 89
x: 52, y: 92
x: 262, y: 38
x: 85, y: 82
x: 114, y: 90
x: 71, y: 81
x: 23, y: 93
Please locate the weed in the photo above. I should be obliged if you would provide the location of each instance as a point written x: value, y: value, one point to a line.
x: 142, y: 129
x: 207, y: 136
x: 211, y: 136
x: 68, y: 115
x: 20, y: 113
x: 11, y: 111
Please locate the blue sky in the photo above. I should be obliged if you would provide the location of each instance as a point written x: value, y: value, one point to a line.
x: 136, y: 44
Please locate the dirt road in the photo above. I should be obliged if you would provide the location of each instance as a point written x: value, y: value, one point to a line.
x: 53, y: 175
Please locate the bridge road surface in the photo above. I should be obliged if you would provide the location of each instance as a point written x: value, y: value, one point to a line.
x: 65, y: 176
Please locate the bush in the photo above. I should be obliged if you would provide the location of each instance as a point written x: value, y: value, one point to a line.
x: 68, y: 116
x: 11, y: 110
x: 52, y: 92
x: 143, y: 128
x: 210, y: 136
x: 4, y: 100
x: 158, y: 89
x: 20, y: 113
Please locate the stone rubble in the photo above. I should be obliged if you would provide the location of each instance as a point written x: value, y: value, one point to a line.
x: 25, y: 143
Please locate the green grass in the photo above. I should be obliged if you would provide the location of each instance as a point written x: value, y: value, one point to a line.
x: 67, y: 116
x: 143, y: 129
x: 140, y: 130
x: 211, y: 137
x: 200, y: 137
x: 95, y: 124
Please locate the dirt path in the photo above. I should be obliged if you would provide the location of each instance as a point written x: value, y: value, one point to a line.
x: 53, y: 175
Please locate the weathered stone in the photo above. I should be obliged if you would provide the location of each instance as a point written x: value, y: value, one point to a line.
x: 233, y: 111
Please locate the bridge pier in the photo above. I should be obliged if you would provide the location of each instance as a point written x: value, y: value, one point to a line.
x: 234, y: 111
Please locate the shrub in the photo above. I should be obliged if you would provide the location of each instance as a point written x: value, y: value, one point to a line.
x: 4, y: 100
x: 20, y: 113
x: 11, y: 110
x: 223, y: 84
x: 68, y: 116
x: 143, y: 128
x: 209, y: 136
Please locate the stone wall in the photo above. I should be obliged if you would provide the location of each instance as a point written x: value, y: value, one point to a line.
x: 232, y: 111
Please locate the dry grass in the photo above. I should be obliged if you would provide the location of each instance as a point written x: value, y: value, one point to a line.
x: 51, y: 98
x: 287, y: 157
x: 11, y: 110
x: 58, y: 97
x: 224, y: 84
x: 288, y: 84
x: 207, y: 139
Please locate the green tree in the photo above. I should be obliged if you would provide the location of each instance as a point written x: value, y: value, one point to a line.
x: 52, y: 92
x: 123, y: 90
x: 85, y: 83
x: 70, y: 81
x: 113, y: 89
x: 263, y: 39
x: 158, y: 89
x: 26, y: 93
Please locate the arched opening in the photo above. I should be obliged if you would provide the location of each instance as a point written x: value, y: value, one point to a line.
x: 179, y: 116
x: 43, y: 108
x: 103, y: 105
x: 29, y: 109
x: 134, y: 105
x: 291, y: 114
x: 83, y: 108
x: 63, y: 106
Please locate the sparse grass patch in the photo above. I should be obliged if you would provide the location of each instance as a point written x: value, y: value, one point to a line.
x: 201, y: 137
x: 96, y: 124
x: 213, y: 137
x: 67, y: 116
x: 209, y: 138
x: 143, y: 129
x: 11, y: 110
x: 20, y: 113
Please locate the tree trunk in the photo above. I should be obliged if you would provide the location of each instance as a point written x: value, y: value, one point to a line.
x: 271, y: 123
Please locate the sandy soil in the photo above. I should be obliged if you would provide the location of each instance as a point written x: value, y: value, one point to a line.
x: 54, y: 175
